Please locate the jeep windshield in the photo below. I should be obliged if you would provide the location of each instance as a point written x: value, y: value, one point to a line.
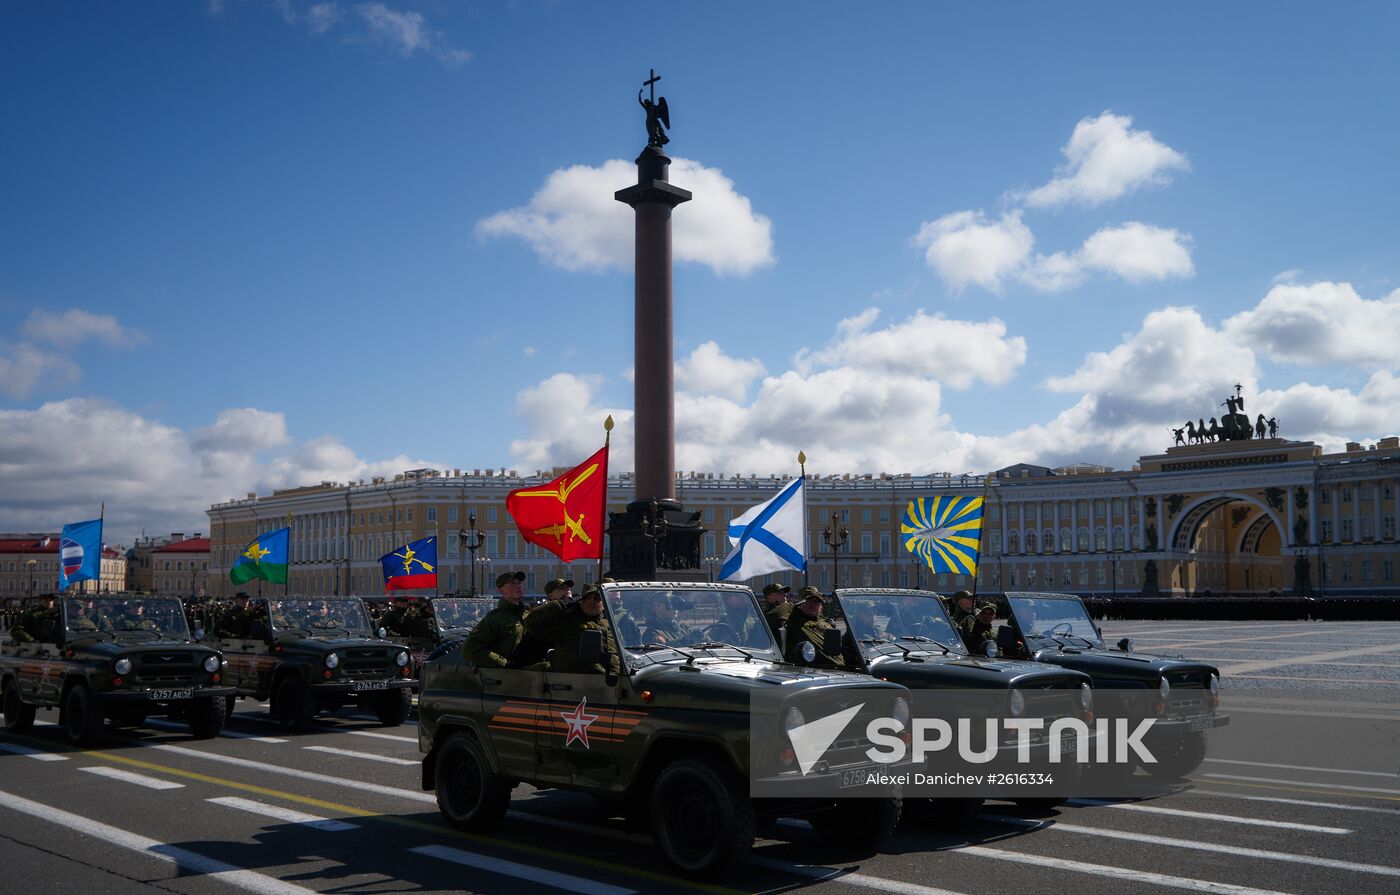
x: 319, y: 618
x: 660, y: 624
x: 1047, y: 621
x: 889, y: 623
x: 452, y: 612
x: 160, y: 618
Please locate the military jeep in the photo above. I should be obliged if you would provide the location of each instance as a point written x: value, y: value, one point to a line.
x: 906, y: 636
x: 671, y: 740
x: 118, y: 657
x: 424, y: 623
x: 1056, y: 629
x: 313, y: 654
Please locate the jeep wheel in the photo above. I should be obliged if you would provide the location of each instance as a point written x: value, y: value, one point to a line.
x: 701, y: 817
x: 469, y: 795
x: 82, y: 718
x: 229, y: 703
x: 1178, y: 756
x: 206, y: 716
x: 858, y: 822
x: 19, y: 715
x: 292, y: 705
x: 392, y: 708
x: 943, y: 814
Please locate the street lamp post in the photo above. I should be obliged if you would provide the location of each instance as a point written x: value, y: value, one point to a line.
x: 484, y: 563
x: 710, y: 561
x: 336, y: 565
x: 835, y: 539
x: 472, y: 539
x: 30, y: 564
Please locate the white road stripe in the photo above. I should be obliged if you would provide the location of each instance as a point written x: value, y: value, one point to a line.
x: 1304, y: 802
x: 247, y: 880
x: 384, y: 736
x: 1302, y: 767
x: 1289, y: 713
x: 1391, y: 792
x: 129, y: 777
x: 1215, y: 847
x: 284, y: 814
x: 551, y: 878
x: 1205, y: 815
x: 263, y: 767
x: 368, y: 756
x: 27, y: 752
x: 1123, y: 873
x: 237, y: 735
x: 836, y: 874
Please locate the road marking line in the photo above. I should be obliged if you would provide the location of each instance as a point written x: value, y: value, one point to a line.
x: 284, y: 814
x: 1313, y: 659
x: 384, y: 736
x: 368, y: 756
x: 821, y: 873
x: 237, y: 735
x: 551, y: 878
x: 309, y: 776
x: 1205, y: 815
x: 1237, y: 710
x: 1302, y: 767
x: 1393, y: 792
x: 1376, y: 869
x: 1184, y: 644
x: 129, y: 777
x: 1124, y: 873
x: 28, y: 752
x: 247, y: 880
x: 1310, y: 804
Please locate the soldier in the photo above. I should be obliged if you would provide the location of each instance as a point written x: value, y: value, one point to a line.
x: 776, y: 608
x: 494, y: 639
x: 808, y: 625
x: 962, y: 614
x: 661, y: 623
x: 863, y: 623
x: 627, y: 628
x: 982, y: 631
x: 233, y: 620
x: 558, y: 624
x: 78, y: 617
x: 559, y: 589
x: 739, y: 617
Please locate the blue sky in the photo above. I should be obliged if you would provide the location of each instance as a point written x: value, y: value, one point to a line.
x: 246, y: 244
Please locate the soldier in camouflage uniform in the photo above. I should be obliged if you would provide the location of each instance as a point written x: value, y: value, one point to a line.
x: 493, y: 641
x: 962, y: 614
x: 558, y: 625
x: 776, y: 608
x: 808, y: 625
x: 739, y: 617
x: 982, y: 631
x: 627, y: 628
x: 661, y: 623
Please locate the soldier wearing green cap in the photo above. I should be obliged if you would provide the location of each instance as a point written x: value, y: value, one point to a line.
x: 808, y: 625
x: 776, y: 608
x: 962, y: 613
x: 494, y: 639
x: 558, y: 625
x: 982, y: 631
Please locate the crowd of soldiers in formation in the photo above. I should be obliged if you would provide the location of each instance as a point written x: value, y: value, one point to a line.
x: 25, y: 624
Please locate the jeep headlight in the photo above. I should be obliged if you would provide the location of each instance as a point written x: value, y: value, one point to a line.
x: 1086, y: 697
x: 332, y: 660
x: 122, y: 666
x: 1164, y: 690
x: 793, y: 719
x: 900, y: 712
x: 1017, y: 703
x: 401, y: 658
x: 1214, y: 686
x: 211, y: 664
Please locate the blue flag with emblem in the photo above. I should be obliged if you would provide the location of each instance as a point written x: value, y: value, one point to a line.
x: 770, y: 537
x: 80, y: 553
x: 412, y: 565
x: 945, y: 532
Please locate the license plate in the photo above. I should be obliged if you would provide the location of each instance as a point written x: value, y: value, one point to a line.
x: 167, y: 695
x: 1202, y: 724
x: 854, y: 777
x: 371, y: 685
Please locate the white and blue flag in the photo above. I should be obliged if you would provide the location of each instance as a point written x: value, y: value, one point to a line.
x: 771, y: 537
x: 80, y: 553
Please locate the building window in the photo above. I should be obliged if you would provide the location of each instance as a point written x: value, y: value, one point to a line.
x: 865, y: 515
x: 884, y: 577
x: 1327, y: 530
x: 1387, y: 571
x: 1030, y: 543
x: 867, y: 544
x: 1346, y: 530
x: 510, y: 544
x: 490, y: 514
x: 530, y: 581
x: 1326, y: 572
x: 885, y: 513
x: 885, y: 544
x: 451, y: 514
x: 994, y: 542
x: 1346, y: 495
x: 709, y: 514
x: 1100, y: 538
x: 1366, y: 570
x: 432, y: 514
x: 845, y: 515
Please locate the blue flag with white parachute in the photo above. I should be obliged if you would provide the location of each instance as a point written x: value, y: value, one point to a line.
x: 945, y: 532
x: 80, y: 553
x: 771, y: 537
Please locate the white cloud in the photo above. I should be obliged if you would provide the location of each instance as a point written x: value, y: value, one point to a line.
x: 709, y: 371
x: 967, y: 247
x: 407, y: 33
x: 76, y: 326
x: 1137, y: 252
x: 27, y: 366
x: 1287, y: 276
x: 1321, y: 323
x: 573, y: 221
x: 1105, y: 160
x: 322, y: 16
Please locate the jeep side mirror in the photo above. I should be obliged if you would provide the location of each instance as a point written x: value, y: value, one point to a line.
x: 990, y: 650
x: 831, y: 642
x: 1126, y: 644
x: 590, y: 647
x: 198, y: 634
x: 257, y: 629
x: 48, y: 631
x: 381, y: 633
x: 782, y: 642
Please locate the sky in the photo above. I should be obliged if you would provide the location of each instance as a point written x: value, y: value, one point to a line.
x: 250, y: 244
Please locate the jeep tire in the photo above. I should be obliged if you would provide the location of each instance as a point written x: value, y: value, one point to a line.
x: 858, y: 822
x: 469, y: 794
x: 1177, y: 756
x: 292, y: 704
x: 392, y: 708
x: 19, y: 715
x: 229, y: 703
x: 702, y: 818
x: 206, y: 717
x: 82, y: 716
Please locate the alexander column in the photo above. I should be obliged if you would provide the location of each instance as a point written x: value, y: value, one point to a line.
x: 655, y: 532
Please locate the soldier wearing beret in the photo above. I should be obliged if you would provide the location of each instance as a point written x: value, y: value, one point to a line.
x: 494, y: 639
x: 776, y: 608
x: 558, y: 626
x: 808, y: 625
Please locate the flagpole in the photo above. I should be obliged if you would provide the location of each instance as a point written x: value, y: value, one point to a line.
x: 806, y: 560
x: 986, y: 481
x: 607, y: 444
x: 287, y: 584
x: 437, y: 542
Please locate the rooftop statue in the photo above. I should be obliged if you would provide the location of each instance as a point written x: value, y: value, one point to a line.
x: 658, y: 115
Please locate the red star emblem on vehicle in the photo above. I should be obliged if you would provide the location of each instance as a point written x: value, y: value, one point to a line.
x: 578, y: 721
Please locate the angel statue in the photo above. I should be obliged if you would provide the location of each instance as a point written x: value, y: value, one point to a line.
x: 658, y: 116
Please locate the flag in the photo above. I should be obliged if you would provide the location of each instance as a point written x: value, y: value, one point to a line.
x: 770, y: 537
x: 566, y: 516
x: 412, y: 565
x: 265, y: 557
x: 80, y: 553
x: 945, y: 532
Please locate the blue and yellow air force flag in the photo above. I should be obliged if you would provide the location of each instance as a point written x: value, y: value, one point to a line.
x: 771, y: 537
x: 80, y: 552
x: 946, y: 532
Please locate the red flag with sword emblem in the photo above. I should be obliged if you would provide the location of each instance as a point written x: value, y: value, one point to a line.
x: 566, y: 516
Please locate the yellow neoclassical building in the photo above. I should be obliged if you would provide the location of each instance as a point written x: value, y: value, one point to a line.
x: 1241, y: 517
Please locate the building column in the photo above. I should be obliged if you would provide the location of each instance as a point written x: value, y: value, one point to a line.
x: 1336, y: 513
x: 1074, y: 525
x: 1376, y: 513
x: 1056, y: 515
x: 1003, y: 524
x: 1142, y: 525
x: 1288, y: 522
x: 1314, y: 536
x: 1162, y: 526
x: 1356, y: 513
x: 1093, y: 540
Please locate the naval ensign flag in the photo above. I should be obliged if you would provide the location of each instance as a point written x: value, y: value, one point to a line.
x: 771, y: 537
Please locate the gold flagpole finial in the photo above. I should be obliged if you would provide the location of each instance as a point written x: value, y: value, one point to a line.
x: 608, y: 424
x: 802, y: 462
